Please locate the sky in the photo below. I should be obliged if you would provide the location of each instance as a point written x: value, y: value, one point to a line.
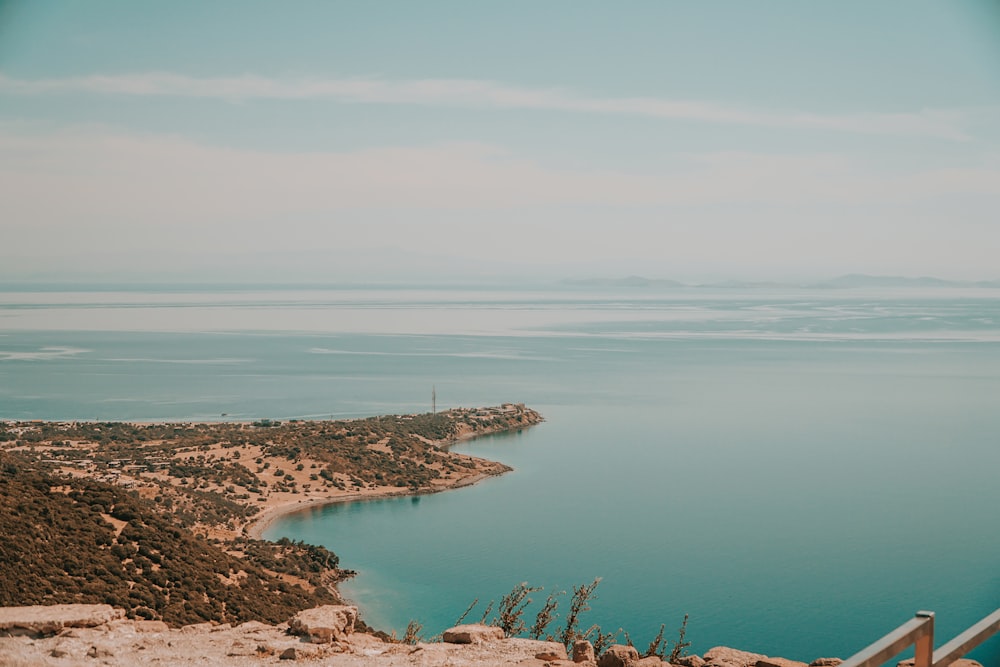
x: 384, y: 141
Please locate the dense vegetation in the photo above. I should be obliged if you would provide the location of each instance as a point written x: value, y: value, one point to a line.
x: 57, y: 545
x: 151, y: 517
x: 217, y: 474
x: 509, y: 617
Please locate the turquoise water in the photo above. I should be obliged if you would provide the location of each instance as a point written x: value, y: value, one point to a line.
x: 798, y: 471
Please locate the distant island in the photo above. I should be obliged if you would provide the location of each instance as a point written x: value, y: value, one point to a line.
x: 849, y: 281
x: 164, y: 520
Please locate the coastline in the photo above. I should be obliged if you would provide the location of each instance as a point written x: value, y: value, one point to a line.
x: 217, y: 488
x: 256, y: 527
x: 281, y: 507
x: 360, y: 459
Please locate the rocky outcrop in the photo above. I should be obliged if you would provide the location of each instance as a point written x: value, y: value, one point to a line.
x: 472, y: 634
x: 120, y: 642
x: 326, y: 624
x: 82, y: 634
x: 48, y: 620
x: 151, y: 626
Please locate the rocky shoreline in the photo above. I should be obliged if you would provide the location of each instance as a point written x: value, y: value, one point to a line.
x: 513, y: 416
x: 98, y: 634
x: 61, y: 635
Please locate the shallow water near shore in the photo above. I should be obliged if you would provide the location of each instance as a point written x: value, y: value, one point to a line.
x: 799, y: 472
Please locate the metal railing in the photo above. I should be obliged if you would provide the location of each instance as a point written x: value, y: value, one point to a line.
x: 919, y: 632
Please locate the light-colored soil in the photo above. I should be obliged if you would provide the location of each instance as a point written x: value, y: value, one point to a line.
x: 129, y: 644
x: 277, y: 505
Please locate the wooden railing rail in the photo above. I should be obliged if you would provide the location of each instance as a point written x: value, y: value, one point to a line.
x: 968, y: 640
x: 919, y: 631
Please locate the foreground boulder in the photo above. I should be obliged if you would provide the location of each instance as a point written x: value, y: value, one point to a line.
x: 550, y: 652
x: 472, y: 634
x: 723, y: 656
x: 651, y: 661
x: 583, y: 651
x: 780, y: 662
x: 690, y: 661
x: 50, y: 619
x: 619, y: 655
x: 326, y: 624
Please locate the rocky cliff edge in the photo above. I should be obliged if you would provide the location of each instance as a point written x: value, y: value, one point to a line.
x: 77, y: 634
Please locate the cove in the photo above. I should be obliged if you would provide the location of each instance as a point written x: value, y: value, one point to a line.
x: 783, y: 496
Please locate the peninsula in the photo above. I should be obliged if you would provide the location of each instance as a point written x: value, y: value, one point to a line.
x: 164, y: 520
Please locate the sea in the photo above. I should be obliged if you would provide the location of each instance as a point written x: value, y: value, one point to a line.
x: 798, y: 471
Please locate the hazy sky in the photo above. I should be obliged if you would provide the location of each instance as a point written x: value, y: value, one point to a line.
x: 331, y: 140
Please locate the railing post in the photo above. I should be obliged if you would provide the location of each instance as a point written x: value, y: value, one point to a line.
x: 919, y: 633
x: 920, y: 627
x: 925, y: 643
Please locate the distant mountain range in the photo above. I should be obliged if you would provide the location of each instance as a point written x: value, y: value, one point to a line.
x: 630, y: 281
x: 862, y: 280
x: 849, y: 281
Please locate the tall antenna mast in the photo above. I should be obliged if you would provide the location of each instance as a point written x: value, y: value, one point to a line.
x: 434, y: 399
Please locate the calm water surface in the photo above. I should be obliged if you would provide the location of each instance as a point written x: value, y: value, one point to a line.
x: 798, y: 471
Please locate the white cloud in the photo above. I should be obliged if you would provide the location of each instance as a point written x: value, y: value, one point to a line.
x: 464, y: 93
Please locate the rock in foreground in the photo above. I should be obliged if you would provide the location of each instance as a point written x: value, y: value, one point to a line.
x: 472, y: 634
x: 48, y: 620
x: 92, y: 634
x: 583, y: 651
x: 619, y: 655
x: 324, y: 625
x: 723, y: 656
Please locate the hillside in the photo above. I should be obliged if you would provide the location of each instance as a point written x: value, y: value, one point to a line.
x: 155, y: 518
x: 81, y: 541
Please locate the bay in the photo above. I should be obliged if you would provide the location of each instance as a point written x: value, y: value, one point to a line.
x: 799, y: 471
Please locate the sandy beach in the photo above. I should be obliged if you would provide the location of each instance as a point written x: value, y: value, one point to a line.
x: 277, y: 507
